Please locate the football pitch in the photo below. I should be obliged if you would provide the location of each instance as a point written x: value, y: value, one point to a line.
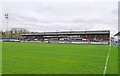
x: 41, y: 58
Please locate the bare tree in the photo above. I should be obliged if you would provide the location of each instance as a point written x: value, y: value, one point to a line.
x: 17, y: 32
x: 14, y: 33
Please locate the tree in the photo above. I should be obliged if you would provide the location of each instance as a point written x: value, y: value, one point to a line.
x: 14, y: 33
x: 17, y: 32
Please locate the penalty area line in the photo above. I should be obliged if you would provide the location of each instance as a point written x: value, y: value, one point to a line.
x: 107, y: 58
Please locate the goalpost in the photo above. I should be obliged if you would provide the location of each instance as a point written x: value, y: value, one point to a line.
x: 110, y: 39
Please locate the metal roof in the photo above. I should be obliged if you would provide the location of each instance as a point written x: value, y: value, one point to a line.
x: 68, y: 33
x: 118, y: 34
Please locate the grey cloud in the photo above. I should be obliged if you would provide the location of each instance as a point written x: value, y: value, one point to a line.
x: 62, y: 16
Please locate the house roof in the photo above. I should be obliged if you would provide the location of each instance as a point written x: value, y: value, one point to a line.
x: 118, y: 34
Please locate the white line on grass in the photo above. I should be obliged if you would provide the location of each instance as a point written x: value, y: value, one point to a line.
x: 105, y: 68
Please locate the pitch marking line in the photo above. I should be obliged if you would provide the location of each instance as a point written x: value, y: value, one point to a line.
x: 105, y: 68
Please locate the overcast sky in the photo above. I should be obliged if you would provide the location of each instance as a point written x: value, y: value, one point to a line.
x: 62, y: 16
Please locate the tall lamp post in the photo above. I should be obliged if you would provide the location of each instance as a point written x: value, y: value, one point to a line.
x: 7, y: 22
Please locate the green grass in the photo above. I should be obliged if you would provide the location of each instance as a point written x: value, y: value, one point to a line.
x: 36, y: 58
x: 0, y: 58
